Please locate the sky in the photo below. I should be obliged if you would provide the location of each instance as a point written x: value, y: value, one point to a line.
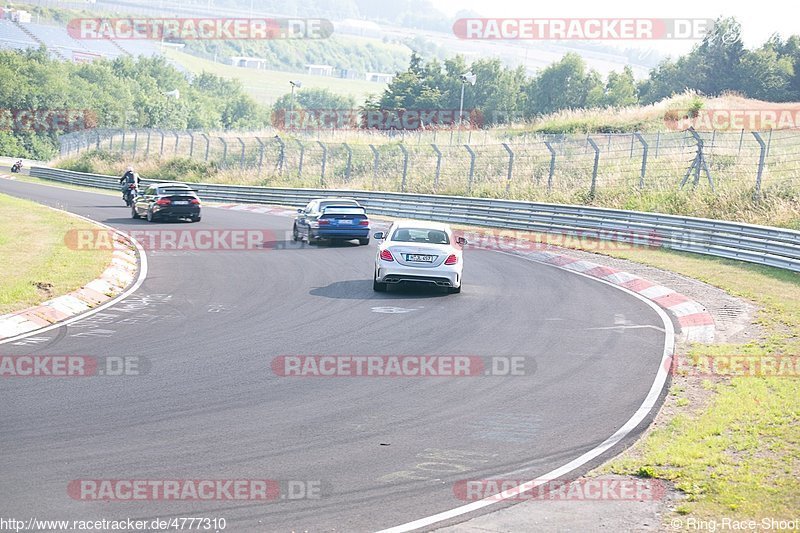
x: 759, y: 19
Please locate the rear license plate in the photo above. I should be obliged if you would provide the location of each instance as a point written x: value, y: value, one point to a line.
x: 345, y: 221
x: 181, y: 202
x: 415, y: 258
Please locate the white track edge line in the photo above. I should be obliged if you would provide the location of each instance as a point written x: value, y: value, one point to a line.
x: 641, y: 413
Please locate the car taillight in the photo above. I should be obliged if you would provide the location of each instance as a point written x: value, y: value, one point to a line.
x: 386, y: 255
x: 452, y: 259
x: 163, y: 201
x: 195, y: 201
x: 323, y: 222
x: 364, y: 222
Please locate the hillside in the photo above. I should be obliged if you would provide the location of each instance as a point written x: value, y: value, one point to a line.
x: 266, y: 86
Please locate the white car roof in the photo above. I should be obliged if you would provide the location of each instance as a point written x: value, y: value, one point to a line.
x: 422, y: 224
x: 343, y: 200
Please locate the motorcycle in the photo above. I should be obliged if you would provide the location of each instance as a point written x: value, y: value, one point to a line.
x: 16, y: 167
x: 130, y: 194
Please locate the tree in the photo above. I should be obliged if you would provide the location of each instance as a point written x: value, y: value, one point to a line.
x: 619, y: 91
x: 562, y: 85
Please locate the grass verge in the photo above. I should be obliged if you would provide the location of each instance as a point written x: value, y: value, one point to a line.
x: 736, y: 453
x: 35, y: 261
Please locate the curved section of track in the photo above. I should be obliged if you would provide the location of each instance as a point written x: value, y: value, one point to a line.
x: 388, y: 451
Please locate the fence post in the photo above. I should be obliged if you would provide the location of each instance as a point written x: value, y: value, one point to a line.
x: 658, y: 142
x: 644, y: 159
x: 241, y: 157
x: 324, y: 161
x: 224, y: 162
x: 741, y: 140
x: 510, y: 166
x: 438, y: 167
x: 699, y: 163
x: 147, y: 147
x: 161, y: 153
x: 191, y: 145
x: 349, y: 161
x: 552, y: 165
x: 111, y: 142
x: 761, y: 158
x: 260, y: 154
x: 208, y: 144
x: 97, y: 139
x: 769, y: 142
x: 471, y: 167
x: 302, y: 155
x: 177, y: 139
x: 281, y: 153
x: 135, y: 142
x: 405, y: 167
x: 122, y: 146
x: 374, y: 165
x: 593, y: 188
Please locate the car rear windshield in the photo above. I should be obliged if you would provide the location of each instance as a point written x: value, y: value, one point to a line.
x: 342, y: 203
x: 185, y: 191
x: 429, y: 236
x: 340, y: 210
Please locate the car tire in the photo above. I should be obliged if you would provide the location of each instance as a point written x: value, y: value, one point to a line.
x: 363, y: 242
x: 196, y: 218
x: 134, y: 214
x: 376, y: 285
x: 454, y: 290
x: 150, y: 217
x: 295, y: 236
x: 311, y: 239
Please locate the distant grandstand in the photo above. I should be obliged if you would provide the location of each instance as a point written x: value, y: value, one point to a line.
x: 18, y: 34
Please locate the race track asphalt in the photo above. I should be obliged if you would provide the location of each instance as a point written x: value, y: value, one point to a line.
x: 386, y: 450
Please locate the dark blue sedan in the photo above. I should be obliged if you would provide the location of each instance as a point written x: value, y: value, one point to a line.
x: 334, y: 219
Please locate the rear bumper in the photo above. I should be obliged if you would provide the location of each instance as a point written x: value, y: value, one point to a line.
x: 340, y: 233
x: 177, y: 212
x: 442, y: 277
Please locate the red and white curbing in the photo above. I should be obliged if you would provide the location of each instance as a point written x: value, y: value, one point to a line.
x: 696, y: 323
x: 119, y: 274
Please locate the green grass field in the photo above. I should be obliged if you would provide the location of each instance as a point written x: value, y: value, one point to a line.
x: 35, y: 261
x: 266, y: 86
x: 734, y: 448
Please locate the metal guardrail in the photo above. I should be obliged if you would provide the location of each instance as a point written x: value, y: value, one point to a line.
x: 761, y: 245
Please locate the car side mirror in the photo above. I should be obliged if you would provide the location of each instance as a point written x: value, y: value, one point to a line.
x: 379, y: 235
x: 461, y: 241
x: 299, y: 209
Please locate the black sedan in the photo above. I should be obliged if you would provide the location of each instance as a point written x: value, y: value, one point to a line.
x: 167, y: 201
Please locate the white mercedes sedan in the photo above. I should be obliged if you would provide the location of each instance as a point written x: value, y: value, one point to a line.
x: 419, y: 252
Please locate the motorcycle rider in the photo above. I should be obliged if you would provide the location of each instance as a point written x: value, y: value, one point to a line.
x: 129, y: 177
